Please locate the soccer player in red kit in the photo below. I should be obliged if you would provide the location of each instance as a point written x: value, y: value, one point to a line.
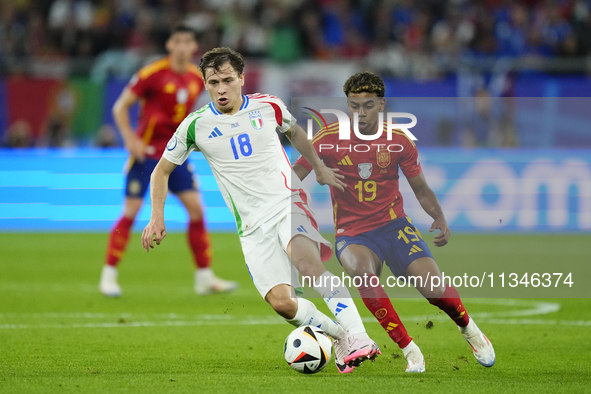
x: 370, y: 223
x: 167, y: 89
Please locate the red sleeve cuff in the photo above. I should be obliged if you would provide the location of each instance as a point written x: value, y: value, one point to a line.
x: 136, y: 90
x: 304, y: 163
x: 412, y: 172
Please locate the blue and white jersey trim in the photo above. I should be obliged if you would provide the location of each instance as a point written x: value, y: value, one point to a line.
x: 214, y: 109
x: 245, y: 101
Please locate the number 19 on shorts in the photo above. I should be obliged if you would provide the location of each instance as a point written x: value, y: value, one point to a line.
x: 243, y: 145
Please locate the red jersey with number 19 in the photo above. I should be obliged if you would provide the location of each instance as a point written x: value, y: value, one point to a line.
x: 371, y: 198
x: 166, y: 99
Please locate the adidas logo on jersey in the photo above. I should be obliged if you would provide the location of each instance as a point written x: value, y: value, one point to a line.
x: 415, y: 249
x: 302, y: 229
x: 215, y: 133
x: 345, y: 162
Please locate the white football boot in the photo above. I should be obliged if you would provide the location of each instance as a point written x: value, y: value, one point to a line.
x: 342, y: 350
x: 481, y: 346
x: 108, y: 284
x: 207, y: 283
x: 414, y: 358
x: 362, y: 348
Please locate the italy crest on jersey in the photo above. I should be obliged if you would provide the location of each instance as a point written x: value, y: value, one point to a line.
x: 383, y: 158
x: 364, y: 170
x: 256, y: 119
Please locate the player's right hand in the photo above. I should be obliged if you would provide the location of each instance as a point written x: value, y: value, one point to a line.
x: 442, y: 238
x: 154, y: 231
x: 136, y: 147
x: 330, y: 176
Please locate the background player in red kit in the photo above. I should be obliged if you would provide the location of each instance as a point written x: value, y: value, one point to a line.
x: 168, y: 89
x: 370, y: 223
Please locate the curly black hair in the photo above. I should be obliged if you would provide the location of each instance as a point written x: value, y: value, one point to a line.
x: 217, y: 57
x: 365, y: 82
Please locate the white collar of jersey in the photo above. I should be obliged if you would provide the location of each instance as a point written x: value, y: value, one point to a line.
x: 245, y: 101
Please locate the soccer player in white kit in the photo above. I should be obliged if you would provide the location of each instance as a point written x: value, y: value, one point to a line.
x: 236, y: 134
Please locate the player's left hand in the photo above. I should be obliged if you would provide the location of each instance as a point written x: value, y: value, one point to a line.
x: 442, y: 238
x: 154, y: 231
x: 330, y: 177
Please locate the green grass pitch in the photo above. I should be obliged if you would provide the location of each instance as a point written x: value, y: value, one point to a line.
x: 58, y: 334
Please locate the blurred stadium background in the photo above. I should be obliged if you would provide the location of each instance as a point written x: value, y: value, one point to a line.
x: 502, y: 93
x: 514, y: 154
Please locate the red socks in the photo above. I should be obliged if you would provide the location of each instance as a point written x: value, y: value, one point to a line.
x: 199, y: 243
x: 451, y: 304
x: 378, y: 303
x: 118, y: 241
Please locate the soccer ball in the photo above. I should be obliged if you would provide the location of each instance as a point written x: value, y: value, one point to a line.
x: 307, y: 349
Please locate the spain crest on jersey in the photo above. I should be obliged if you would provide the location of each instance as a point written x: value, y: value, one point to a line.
x: 256, y: 119
x: 182, y: 95
x: 364, y: 170
x: 383, y: 158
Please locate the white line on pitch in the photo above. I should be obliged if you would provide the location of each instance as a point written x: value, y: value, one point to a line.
x: 271, y: 320
x: 533, y: 308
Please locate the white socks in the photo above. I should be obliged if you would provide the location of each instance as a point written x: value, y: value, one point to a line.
x: 204, y: 275
x: 339, y: 301
x: 410, y: 347
x: 308, y: 314
x: 470, y: 329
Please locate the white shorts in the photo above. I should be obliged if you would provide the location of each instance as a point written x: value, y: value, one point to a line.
x: 265, y: 251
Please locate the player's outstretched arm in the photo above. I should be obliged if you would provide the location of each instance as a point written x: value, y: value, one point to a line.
x: 155, y: 230
x: 134, y: 144
x: 430, y: 204
x: 324, y: 175
x: 301, y: 171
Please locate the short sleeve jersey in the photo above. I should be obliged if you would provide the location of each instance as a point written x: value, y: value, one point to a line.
x: 166, y: 99
x: 246, y: 157
x: 372, y: 197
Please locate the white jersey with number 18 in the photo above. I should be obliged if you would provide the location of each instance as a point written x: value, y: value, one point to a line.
x: 251, y: 168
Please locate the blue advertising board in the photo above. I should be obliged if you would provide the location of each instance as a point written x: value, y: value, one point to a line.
x: 479, y: 189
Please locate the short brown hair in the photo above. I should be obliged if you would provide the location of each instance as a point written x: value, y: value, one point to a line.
x: 181, y: 28
x: 217, y: 57
x: 365, y: 82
